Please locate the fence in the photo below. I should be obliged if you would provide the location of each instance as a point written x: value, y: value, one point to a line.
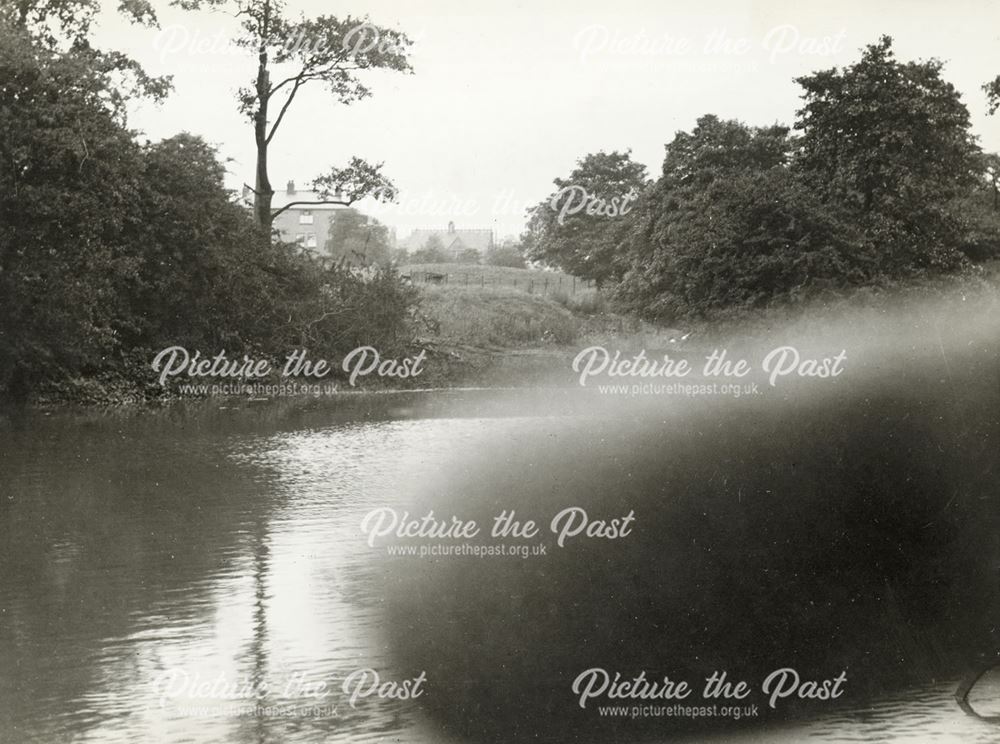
x: 531, y: 284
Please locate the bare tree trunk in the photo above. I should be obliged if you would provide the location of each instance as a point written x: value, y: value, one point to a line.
x: 262, y: 187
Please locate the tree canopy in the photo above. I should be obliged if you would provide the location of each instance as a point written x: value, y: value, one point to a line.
x: 579, y: 226
x: 292, y: 54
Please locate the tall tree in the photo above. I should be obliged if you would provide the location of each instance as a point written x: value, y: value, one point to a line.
x: 882, y: 132
x: 579, y: 227
x: 358, y: 239
x: 67, y: 174
x: 729, y: 226
x: 294, y: 53
x: 891, y: 141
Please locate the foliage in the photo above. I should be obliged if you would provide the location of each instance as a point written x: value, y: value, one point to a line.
x: 358, y: 239
x: 978, y: 212
x: 891, y: 141
x: 66, y: 186
x: 352, y: 309
x: 64, y: 27
x: 506, y: 255
x: 884, y: 184
x: 741, y: 241
x: 110, y: 251
x: 432, y: 251
x: 578, y: 228
x: 294, y: 53
x: 468, y: 256
x: 992, y: 89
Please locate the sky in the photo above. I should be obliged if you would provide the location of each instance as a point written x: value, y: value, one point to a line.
x: 507, y: 96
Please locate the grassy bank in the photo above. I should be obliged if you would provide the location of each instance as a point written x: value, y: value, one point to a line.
x: 457, y: 273
x: 507, y: 336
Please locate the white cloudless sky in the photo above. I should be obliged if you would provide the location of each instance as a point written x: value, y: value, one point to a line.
x: 506, y: 96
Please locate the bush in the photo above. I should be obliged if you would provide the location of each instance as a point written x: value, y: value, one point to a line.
x: 741, y: 242
x: 113, y: 248
x: 505, y: 255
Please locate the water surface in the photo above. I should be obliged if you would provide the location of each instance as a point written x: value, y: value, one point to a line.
x: 222, y: 541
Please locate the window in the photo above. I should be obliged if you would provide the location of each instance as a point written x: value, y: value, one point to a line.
x: 310, y: 240
x: 306, y: 217
x: 300, y: 238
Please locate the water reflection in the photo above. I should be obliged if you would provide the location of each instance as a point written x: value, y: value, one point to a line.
x: 144, y: 556
x: 150, y: 566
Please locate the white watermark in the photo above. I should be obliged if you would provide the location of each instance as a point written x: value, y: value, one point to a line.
x: 778, y: 363
x: 316, y: 693
x: 571, y: 522
x: 596, y: 684
x: 177, y: 361
x: 363, y: 39
x: 598, y: 40
x: 574, y: 199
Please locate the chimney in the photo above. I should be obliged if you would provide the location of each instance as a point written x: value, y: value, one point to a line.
x: 451, y: 227
x: 291, y: 187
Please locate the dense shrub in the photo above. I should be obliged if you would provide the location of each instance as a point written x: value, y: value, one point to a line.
x: 110, y: 250
x: 743, y: 242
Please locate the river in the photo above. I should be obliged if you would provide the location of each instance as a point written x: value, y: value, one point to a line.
x: 146, y: 555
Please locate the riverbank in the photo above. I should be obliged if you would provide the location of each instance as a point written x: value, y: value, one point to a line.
x: 467, y: 336
x: 506, y: 337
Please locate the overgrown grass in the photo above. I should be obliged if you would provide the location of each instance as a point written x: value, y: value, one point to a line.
x: 497, y: 317
x: 531, y: 281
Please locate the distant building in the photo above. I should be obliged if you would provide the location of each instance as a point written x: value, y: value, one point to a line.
x: 455, y: 242
x: 306, y: 224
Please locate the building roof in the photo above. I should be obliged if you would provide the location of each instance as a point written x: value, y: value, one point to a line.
x: 452, y: 239
x: 289, y: 194
x: 282, y: 197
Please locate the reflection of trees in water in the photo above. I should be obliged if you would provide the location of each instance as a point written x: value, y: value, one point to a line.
x: 112, y: 534
x: 258, y: 645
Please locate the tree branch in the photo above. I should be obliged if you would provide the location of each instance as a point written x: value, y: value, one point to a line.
x: 284, y: 108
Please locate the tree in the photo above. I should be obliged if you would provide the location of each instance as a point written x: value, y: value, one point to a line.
x: 991, y: 172
x: 202, y: 280
x: 718, y: 148
x: 67, y: 174
x: 357, y: 239
x: 468, y: 255
x: 110, y: 249
x: 979, y: 213
x: 992, y: 89
x: 892, y: 142
x: 434, y: 243
x: 325, y: 50
x: 63, y: 27
x: 432, y: 251
x: 729, y: 226
x: 579, y: 227
x: 506, y: 255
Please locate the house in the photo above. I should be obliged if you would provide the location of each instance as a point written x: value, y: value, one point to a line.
x: 304, y: 223
x: 454, y: 242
